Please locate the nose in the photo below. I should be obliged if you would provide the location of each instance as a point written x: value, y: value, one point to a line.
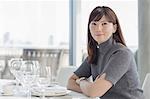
x: 99, y: 27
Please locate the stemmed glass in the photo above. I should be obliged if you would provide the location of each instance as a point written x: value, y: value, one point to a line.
x: 44, y: 79
x: 14, y: 66
x: 29, y: 72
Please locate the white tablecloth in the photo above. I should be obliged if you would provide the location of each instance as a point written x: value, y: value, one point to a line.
x: 71, y: 95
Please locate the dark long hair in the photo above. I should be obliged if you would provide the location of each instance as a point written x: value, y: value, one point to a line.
x: 96, y: 15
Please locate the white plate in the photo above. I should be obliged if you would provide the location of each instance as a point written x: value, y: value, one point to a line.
x: 50, y: 91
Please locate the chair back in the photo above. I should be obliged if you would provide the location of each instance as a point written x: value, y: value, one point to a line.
x: 146, y: 86
x: 64, y: 74
x: 2, y: 67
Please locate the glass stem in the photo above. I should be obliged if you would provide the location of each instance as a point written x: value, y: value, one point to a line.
x: 28, y: 93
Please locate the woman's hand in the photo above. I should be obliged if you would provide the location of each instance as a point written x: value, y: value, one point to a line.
x: 101, y: 77
x: 79, y: 80
x: 97, y: 88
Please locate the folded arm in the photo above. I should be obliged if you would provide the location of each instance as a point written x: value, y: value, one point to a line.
x: 72, y: 85
x: 92, y: 89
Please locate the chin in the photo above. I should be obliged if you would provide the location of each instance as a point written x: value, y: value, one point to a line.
x: 101, y: 41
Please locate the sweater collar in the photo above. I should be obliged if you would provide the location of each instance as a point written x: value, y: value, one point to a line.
x: 105, y: 46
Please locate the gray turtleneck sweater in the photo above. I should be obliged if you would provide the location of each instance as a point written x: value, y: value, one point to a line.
x: 117, y: 61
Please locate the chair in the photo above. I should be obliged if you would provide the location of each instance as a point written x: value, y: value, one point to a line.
x: 146, y: 86
x: 48, y: 57
x: 64, y: 74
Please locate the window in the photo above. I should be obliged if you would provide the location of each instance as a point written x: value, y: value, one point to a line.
x: 31, y: 23
x: 35, y: 29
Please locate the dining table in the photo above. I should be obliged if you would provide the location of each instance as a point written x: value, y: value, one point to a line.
x: 5, y: 86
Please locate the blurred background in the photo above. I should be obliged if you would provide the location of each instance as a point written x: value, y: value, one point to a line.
x: 54, y: 32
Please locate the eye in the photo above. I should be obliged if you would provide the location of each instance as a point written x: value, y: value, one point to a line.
x: 105, y: 23
x: 93, y: 23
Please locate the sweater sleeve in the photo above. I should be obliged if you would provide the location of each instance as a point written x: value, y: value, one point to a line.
x: 118, y: 65
x: 84, y: 70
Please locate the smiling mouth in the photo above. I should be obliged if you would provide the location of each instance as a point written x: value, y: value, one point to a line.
x: 99, y: 34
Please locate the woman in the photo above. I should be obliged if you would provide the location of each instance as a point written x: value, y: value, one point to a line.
x: 110, y: 63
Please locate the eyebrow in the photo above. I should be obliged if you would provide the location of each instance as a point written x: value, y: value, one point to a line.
x: 102, y: 21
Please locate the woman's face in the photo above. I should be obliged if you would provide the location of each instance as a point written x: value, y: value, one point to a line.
x: 102, y: 30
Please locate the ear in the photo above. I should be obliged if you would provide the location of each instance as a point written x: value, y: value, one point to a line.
x: 115, y: 28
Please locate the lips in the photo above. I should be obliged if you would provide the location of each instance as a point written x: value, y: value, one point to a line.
x: 99, y: 34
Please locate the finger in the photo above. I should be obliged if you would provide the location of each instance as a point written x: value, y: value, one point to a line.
x: 103, y: 76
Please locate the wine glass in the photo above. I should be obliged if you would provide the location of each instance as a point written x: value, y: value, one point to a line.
x: 29, y: 72
x: 14, y: 66
x: 44, y: 79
